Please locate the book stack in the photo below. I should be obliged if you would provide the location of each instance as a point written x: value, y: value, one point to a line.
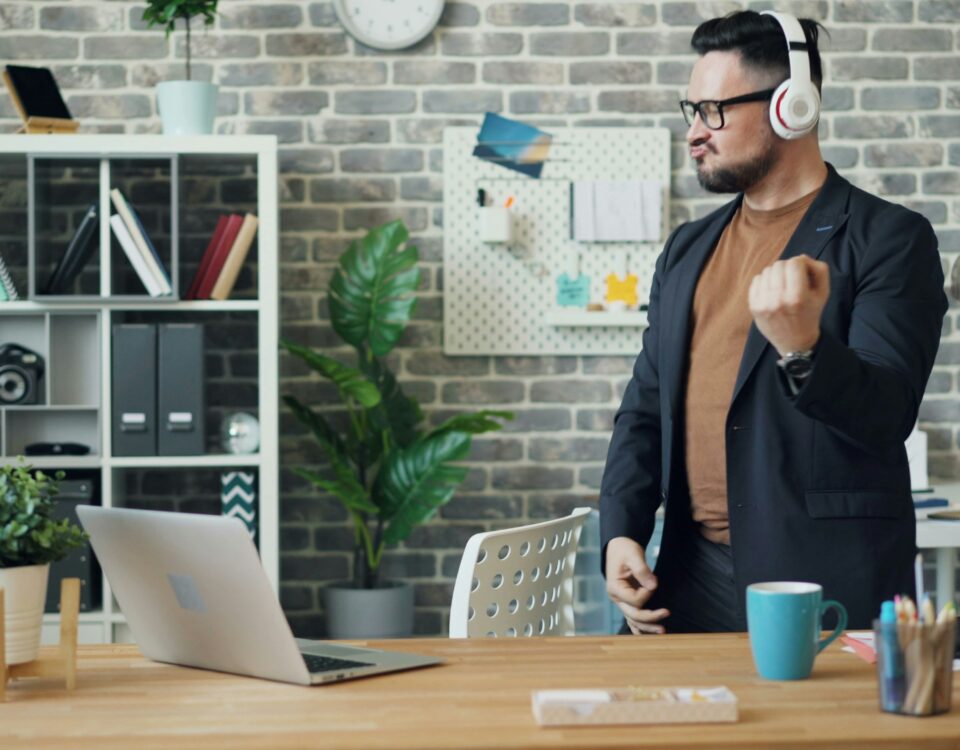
x: 136, y: 244
x: 223, y: 258
x: 76, y: 255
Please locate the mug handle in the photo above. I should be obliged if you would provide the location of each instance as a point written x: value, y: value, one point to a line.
x: 841, y: 622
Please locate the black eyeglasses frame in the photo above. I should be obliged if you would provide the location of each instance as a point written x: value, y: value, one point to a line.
x: 756, y: 96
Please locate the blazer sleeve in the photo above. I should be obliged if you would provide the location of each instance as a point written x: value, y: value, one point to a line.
x: 630, y: 487
x: 869, y: 388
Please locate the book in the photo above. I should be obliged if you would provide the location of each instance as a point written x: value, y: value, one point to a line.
x: 36, y: 96
x: 238, y: 253
x: 77, y: 254
x: 207, y: 255
x: 133, y: 253
x: 219, y: 257
x: 135, y: 229
x: 6, y: 283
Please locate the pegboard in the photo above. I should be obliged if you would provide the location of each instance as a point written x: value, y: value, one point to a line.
x: 497, y: 297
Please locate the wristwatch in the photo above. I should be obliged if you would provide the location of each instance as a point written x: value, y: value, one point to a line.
x: 797, y: 366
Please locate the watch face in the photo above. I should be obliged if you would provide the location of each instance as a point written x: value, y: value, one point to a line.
x: 389, y: 24
x: 798, y: 368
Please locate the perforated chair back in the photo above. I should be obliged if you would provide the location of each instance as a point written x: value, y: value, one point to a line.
x: 518, y: 582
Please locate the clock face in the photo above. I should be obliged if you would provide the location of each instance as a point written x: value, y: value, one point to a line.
x: 389, y: 24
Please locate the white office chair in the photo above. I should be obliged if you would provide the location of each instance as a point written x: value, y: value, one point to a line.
x: 518, y: 582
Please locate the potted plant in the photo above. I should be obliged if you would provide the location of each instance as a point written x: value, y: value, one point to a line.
x: 186, y: 107
x: 389, y: 471
x: 30, y: 539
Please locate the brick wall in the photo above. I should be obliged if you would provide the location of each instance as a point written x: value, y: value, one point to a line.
x: 360, y: 134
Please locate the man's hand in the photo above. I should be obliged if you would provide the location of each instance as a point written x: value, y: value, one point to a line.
x: 786, y: 300
x: 631, y: 583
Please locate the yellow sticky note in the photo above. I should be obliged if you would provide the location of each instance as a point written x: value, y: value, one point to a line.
x: 622, y: 290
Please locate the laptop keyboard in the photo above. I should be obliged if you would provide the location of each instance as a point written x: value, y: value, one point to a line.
x: 317, y: 664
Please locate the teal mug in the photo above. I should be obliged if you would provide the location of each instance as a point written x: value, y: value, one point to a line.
x: 784, y: 619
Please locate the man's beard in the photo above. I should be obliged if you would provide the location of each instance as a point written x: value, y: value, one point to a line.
x: 741, y: 177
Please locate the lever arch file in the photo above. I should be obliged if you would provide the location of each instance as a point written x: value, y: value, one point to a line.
x: 134, y: 413
x: 180, y: 381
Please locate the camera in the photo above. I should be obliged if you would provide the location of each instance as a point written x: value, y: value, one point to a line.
x: 21, y: 375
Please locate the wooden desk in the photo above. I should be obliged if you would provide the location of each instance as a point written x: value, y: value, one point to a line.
x: 479, y: 699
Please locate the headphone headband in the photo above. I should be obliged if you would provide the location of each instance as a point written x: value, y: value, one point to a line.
x: 796, y: 45
x: 795, y: 107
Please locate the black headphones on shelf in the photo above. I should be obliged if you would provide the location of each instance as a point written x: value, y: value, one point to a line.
x: 795, y: 107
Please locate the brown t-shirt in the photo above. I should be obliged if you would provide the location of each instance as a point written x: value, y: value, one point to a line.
x: 721, y: 320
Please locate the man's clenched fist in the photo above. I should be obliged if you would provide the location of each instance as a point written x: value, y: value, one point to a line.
x: 786, y: 300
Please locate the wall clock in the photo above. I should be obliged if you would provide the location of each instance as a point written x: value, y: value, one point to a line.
x: 388, y: 24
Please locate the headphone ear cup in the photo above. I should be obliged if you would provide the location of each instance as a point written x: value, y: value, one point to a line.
x: 794, y: 109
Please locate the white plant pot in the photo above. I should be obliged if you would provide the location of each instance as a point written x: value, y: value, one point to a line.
x: 25, y: 594
x: 187, y: 107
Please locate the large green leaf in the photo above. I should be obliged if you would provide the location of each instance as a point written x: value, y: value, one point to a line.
x: 414, y: 482
x: 475, y: 423
x: 349, y: 381
x: 397, y: 413
x: 372, y: 291
x: 345, y: 488
x: 321, y: 429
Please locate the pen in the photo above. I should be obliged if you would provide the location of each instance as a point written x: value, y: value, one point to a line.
x: 509, y: 202
x: 918, y: 574
x: 481, y: 197
x: 891, y: 658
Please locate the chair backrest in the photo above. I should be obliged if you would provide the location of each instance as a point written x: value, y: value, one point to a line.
x: 518, y: 582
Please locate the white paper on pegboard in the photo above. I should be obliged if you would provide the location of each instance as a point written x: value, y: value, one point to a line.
x: 497, y: 298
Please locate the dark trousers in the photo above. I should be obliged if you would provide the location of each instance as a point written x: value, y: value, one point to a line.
x: 699, y: 591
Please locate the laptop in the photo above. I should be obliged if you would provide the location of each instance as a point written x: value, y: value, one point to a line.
x: 194, y: 593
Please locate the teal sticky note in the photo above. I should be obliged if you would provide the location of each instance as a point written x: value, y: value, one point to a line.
x: 573, y: 292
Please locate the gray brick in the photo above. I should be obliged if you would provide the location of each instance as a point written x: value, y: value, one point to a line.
x: 294, y: 598
x: 873, y: 126
x: 693, y: 14
x: 332, y: 538
x: 940, y: 410
x: 570, y: 391
x: 63, y: 18
x: 484, y: 450
x: 674, y: 72
x: 868, y: 68
x: 942, y: 183
x: 912, y: 40
x: 939, y: 126
x: 148, y: 75
x: 528, y: 14
x: 590, y: 476
x: 356, y: 189
x: 267, y: 103
x: 572, y: 449
x: 608, y: 365
x: 416, y: 219
x: 464, y: 43
x: 900, y: 97
x: 940, y: 382
x: 523, y: 72
x: 228, y: 104
x: 286, y: 131
x: 356, y: 72
x: 218, y: 46
x: 936, y: 11
x: 570, y: 43
x: 532, y: 478
x: 483, y: 508
x: 14, y: 17
x: 654, y: 43
x: 953, y: 97
x: 432, y: 72
x: 638, y: 101
x: 306, y: 161
x: 308, y: 220
x: 837, y: 99
x: 462, y: 102
x: 934, y: 211
x: 306, y: 45
x: 483, y: 392
x: 426, y: 47
x: 549, y: 102
x: 597, y: 420
x: 816, y: 9
x: 261, y: 74
x: 955, y: 156
x: 903, y: 155
x: 437, y: 363
x: 374, y: 102
x: 323, y: 15
x: 327, y: 130
x: 39, y: 47
x: 938, y: 439
x: 442, y: 536
x: 427, y: 131
x: 405, y: 565
x: 381, y: 160
x: 90, y: 76
x: 610, y: 72
x: 459, y: 14
x: 945, y: 68
x: 949, y: 353
x: 313, y: 567
x: 422, y: 188
x: 123, y: 47
x: 873, y: 11
x: 893, y: 184
x: 109, y: 106
x: 616, y: 14
x: 425, y: 392
x: 266, y: 16
x: 843, y: 39
x: 535, y: 365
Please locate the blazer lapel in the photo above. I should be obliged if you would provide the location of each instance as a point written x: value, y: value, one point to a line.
x: 821, y: 222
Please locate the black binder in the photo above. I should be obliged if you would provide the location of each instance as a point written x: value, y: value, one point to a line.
x: 80, y: 563
x: 134, y: 413
x: 180, y: 384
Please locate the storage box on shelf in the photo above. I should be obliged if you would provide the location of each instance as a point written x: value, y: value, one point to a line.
x: 58, y: 194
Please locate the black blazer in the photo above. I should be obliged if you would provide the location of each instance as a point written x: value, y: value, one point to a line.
x: 818, y: 484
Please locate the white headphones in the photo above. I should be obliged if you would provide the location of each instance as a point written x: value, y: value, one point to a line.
x: 795, y: 107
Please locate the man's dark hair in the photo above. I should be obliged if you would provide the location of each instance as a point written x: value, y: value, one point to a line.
x: 760, y: 42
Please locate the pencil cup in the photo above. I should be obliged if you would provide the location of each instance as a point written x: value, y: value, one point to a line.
x: 496, y: 224
x: 915, y: 666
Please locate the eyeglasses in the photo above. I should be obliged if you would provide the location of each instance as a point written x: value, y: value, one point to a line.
x: 711, y: 110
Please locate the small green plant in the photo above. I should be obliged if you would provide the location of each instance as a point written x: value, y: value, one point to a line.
x: 166, y: 12
x: 29, y: 534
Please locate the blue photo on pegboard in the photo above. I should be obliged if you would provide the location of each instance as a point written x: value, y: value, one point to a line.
x: 238, y: 496
x: 573, y: 292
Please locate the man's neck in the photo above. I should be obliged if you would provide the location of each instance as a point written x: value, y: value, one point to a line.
x: 799, y: 172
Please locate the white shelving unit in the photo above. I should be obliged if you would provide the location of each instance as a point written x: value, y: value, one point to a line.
x: 72, y: 403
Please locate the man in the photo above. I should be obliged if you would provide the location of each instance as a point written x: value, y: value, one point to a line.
x: 791, y: 334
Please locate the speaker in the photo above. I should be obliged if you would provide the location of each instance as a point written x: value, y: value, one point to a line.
x: 80, y: 563
x: 795, y: 107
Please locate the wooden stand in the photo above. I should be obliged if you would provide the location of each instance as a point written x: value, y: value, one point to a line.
x: 48, y: 125
x: 61, y: 663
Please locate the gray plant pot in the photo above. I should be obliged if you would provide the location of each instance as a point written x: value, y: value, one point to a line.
x: 385, y: 612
